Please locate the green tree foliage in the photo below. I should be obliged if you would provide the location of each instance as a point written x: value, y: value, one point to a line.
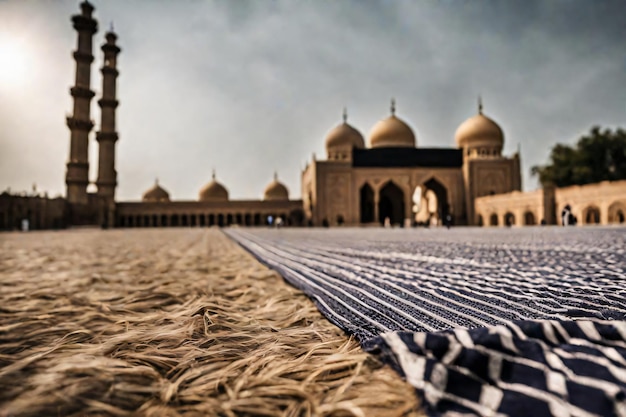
x: 598, y: 156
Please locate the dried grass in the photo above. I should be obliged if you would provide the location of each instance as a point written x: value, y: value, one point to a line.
x: 168, y: 323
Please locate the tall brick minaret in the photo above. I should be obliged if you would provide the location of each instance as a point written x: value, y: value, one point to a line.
x: 80, y: 124
x: 107, y: 136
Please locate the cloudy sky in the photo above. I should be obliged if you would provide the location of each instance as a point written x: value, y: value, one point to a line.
x: 249, y: 87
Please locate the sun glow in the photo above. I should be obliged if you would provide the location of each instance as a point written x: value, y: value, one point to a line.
x: 14, y: 61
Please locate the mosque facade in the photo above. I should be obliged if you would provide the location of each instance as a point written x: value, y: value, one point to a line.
x: 393, y: 181
x: 386, y: 180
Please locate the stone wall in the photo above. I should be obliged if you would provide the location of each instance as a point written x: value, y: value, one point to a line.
x: 40, y: 211
x: 601, y: 203
x: 516, y: 208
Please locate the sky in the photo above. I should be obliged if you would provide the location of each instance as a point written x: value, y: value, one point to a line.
x: 250, y: 87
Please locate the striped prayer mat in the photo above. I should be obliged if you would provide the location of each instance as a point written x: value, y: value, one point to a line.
x: 481, y: 321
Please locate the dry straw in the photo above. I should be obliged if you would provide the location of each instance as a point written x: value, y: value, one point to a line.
x: 168, y: 323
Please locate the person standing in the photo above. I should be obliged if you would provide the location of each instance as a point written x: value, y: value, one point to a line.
x: 566, y: 215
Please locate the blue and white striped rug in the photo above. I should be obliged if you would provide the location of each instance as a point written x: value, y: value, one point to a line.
x: 481, y: 321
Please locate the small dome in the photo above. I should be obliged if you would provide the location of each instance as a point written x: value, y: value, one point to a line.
x: 344, y: 135
x: 392, y: 132
x: 213, y: 191
x: 276, y: 191
x: 156, y: 193
x: 479, y: 131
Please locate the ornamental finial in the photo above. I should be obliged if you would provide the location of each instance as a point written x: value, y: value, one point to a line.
x: 393, y: 106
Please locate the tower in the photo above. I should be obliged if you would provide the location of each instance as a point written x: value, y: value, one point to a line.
x: 107, y: 136
x: 80, y: 124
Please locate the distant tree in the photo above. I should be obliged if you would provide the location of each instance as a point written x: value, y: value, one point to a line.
x: 598, y: 156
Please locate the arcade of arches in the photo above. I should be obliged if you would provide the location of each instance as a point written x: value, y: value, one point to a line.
x: 242, y: 213
x: 203, y: 220
x: 388, y: 205
x: 593, y: 204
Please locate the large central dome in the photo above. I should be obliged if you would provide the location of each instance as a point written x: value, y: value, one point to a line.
x: 392, y: 132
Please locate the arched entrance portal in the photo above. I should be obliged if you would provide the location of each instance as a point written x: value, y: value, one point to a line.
x: 617, y: 212
x: 592, y: 215
x: 391, y: 204
x: 442, y: 209
x: 367, y: 204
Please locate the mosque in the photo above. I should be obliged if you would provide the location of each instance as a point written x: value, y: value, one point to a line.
x: 386, y: 180
x: 391, y: 181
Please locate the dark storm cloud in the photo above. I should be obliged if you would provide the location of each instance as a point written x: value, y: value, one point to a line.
x: 248, y: 87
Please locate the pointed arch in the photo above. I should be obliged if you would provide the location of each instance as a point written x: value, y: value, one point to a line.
x: 591, y: 215
x: 391, y: 204
x: 441, y: 192
x: 617, y: 212
x: 529, y: 218
x: 366, y: 203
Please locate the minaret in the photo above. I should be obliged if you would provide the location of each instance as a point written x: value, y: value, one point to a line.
x: 77, y: 177
x: 107, y: 136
